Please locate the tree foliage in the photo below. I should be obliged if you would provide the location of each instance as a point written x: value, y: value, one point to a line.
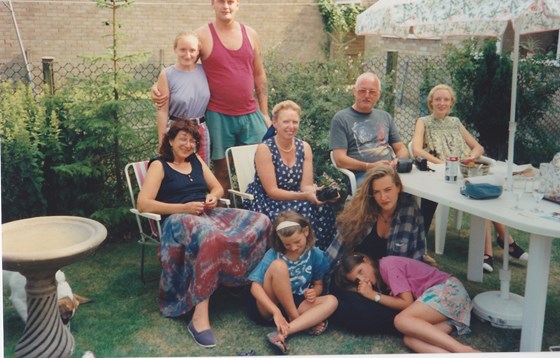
x: 482, y: 80
x: 320, y: 88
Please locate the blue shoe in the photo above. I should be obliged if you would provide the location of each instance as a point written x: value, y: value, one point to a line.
x: 205, y: 339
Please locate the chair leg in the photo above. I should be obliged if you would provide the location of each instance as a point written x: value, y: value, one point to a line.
x: 142, y: 264
x: 442, y: 217
x: 458, y: 219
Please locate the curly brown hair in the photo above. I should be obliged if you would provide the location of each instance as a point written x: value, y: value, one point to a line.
x: 357, y: 217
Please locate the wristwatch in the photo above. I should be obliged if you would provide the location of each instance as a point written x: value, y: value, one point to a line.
x: 377, y: 298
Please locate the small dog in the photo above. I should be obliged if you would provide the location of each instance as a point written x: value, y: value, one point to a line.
x: 68, y: 301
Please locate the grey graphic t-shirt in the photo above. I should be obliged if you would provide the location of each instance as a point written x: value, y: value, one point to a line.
x: 366, y: 136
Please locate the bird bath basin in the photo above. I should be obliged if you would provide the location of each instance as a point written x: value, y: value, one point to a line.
x: 37, y: 248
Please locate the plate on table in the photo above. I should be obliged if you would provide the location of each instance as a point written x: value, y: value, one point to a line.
x: 553, y: 198
x: 522, y: 172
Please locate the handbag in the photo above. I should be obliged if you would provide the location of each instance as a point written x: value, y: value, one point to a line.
x: 481, y: 191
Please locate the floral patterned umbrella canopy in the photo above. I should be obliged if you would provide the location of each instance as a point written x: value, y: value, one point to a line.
x: 445, y: 18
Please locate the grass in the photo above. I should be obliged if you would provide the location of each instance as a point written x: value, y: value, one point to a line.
x: 124, y: 320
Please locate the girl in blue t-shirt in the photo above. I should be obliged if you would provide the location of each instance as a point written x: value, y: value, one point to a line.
x: 432, y: 302
x: 287, y: 283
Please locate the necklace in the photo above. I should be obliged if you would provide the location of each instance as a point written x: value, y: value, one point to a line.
x: 285, y: 150
x: 386, y: 220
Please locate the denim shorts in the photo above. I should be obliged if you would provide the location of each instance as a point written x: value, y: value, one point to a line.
x: 229, y: 131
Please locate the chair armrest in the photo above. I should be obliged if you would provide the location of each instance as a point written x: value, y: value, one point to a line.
x: 241, y: 194
x: 147, y: 215
x: 351, y: 177
x: 226, y: 202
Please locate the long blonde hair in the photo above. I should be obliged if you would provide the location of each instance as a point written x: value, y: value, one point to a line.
x: 357, y: 217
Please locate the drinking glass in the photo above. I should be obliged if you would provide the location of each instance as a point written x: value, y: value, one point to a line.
x: 539, y: 188
x: 518, y: 190
x: 538, y: 194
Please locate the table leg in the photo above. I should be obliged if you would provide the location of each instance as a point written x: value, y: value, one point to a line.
x: 45, y: 335
x: 442, y: 218
x: 477, y: 240
x: 535, y: 293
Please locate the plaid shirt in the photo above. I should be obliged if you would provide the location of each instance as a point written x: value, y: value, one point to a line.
x: 406, y: 236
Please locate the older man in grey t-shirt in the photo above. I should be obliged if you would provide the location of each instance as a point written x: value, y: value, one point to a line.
x: 362, y: 137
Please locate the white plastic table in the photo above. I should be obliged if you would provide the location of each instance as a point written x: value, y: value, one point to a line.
x: 432, y: 186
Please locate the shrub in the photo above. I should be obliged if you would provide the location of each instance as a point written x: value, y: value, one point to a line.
x: 482, y: 80
x: 23, y: 131
x: 321, y: 88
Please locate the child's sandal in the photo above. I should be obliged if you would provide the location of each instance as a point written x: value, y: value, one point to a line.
x: 277, y: 342
x: 315, y: 332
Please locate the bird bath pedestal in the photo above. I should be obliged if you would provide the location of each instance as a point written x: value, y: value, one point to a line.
x: 37, y: 248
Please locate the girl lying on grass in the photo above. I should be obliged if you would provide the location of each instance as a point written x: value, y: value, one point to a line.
x: 287, y: 283
x: 431, y: 302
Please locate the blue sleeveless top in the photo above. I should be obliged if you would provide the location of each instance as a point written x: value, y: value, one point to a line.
x: 179, y: 188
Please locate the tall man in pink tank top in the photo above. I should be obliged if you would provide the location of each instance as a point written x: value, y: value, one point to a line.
x: 230, y: 55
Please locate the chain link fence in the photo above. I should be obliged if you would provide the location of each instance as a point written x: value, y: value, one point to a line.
x: 402, y: 77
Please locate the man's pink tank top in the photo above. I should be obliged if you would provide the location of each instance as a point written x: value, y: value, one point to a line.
x: 230, y: 77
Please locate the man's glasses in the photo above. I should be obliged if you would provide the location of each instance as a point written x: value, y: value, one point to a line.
x: 363, y: 91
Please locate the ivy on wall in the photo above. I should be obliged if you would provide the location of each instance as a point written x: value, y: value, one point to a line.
x: 339, y: 18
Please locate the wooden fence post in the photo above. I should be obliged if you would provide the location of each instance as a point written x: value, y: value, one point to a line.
x: 48, y: 73
x: 391, y: 75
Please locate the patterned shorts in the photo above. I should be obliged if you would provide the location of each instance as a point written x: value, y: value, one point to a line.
x: 452, y: 300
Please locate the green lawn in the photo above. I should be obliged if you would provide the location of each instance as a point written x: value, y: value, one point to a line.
x: 124, y: 320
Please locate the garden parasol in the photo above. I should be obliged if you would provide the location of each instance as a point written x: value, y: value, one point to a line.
x: 428, y: 19
x: 425, y: 19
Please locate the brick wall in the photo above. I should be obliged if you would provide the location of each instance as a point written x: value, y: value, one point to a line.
x: 67, y: 29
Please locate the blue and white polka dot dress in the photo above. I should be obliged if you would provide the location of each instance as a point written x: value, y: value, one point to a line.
x: 322, y: 217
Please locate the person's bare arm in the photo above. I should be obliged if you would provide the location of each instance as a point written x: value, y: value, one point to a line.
x: 163, y: 110
x: 401, y: 151
x: 157, y: 97
x: 314, y: 291
x: 259, y: 74
x: 267, y: 175
x: 344, y: 161
x: 306, y: 184
x: 215, y: 188
x: 257, y: 290
x: 205, y: 37
x: 399, y: 302
x: 147, y: 196
x: 476, y: 149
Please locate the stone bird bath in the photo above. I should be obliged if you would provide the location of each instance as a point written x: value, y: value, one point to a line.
x: 37, y: 248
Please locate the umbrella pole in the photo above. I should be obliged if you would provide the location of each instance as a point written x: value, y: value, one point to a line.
x: 512, y: 123
x: 504, y: 309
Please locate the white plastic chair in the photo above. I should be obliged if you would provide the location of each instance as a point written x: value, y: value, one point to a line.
x: 351, y: 176
x: 153, y: 235
x: 243, y: 169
